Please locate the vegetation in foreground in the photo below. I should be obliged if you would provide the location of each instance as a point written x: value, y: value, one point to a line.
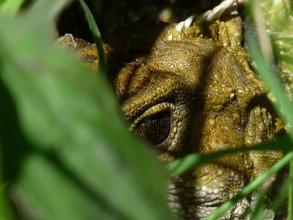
x: 60, y: 155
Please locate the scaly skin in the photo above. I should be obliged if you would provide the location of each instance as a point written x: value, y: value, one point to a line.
x: 195, y: 92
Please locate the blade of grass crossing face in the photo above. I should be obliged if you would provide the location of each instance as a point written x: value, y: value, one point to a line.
x: 247, y: 190
x: 192, y: 161
x: 96, y: 36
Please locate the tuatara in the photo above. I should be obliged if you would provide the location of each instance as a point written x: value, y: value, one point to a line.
x: 195, y: 92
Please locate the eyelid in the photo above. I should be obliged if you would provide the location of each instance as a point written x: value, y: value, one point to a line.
x: 178, y: 124
x: 151, y: 111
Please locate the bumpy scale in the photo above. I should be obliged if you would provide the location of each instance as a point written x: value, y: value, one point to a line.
x: 195, y: 92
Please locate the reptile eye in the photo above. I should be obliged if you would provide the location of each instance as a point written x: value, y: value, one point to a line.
x: 155, y: 128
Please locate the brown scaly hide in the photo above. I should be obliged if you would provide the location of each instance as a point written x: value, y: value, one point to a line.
x: 194, y: 91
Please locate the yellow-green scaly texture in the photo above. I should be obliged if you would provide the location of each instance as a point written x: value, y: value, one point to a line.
x: 196, y: 90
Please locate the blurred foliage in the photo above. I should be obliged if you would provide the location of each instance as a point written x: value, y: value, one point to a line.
x: 10, y: 6
x: 60, y: 155
x: 66, y: 153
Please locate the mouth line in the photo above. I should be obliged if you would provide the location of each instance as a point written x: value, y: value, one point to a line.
x: 211, y: 201
x: 210, y: 185
x: 195, y: 210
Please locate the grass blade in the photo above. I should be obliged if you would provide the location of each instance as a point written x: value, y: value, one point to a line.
x: 263, y: 58
x: 192, y: 161
x: 251, y: 187
x: 5, y: 212
x: 96, y: 36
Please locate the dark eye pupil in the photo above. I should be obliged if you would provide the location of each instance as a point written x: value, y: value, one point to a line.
x: 155, y: 128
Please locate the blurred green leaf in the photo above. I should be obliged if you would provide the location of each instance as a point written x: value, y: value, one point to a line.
x: 84, y: 163
x: 5, y: 212
x: 47, y: 190
x: 10, y: 6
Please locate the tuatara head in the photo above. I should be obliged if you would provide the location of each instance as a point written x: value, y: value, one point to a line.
x: 195, y: 92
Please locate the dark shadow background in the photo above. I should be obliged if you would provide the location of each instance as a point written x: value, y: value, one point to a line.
x: 129, y: 27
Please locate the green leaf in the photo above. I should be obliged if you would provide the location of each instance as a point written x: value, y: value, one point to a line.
x: 10, y: 6
x: 83, y: 158
x: 51, y: 192
x: 5, y: 212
